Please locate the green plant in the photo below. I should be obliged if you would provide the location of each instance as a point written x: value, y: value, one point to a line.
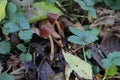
x: 112, y: 58
x: 110, y: 64
x: 110, y: 71
x: 16, y: 23
x: 25, y: 55
x: 113, y: 4
x: 82, y: 38
x: 88, y: 5
x: 4, y: 47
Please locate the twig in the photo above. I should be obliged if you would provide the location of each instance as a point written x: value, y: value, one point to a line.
x: 79, y: 16
x: 74, y: 51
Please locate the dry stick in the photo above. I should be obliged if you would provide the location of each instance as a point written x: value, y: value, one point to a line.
x: 52, y: 48
x: 79, y: 48
x: 59, y: 29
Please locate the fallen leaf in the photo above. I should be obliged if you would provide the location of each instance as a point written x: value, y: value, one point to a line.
x: 2, y: 9
x: 82, y: 68
x: 39, y: 11
x: 45, y: 71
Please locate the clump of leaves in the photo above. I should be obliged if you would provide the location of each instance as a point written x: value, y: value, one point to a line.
x: 82, y: 37
x: 88, y: 5
x: 112, y: 58
x: 111, y: 63
x: 24, y: 56
x: 110, y: 71
x: 113, y: 4
x: 17, y: 23
x: 82, y: 68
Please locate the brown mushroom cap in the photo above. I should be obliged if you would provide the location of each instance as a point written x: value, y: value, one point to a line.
x: 44, y: 31
x: 52, y: 18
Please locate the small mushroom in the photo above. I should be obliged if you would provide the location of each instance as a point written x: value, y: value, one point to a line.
x: 53, y: 19
x: 45, y: 32
x: 56, y: 37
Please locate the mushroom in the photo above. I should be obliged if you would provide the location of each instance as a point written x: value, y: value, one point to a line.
x: 53, y: 20
x: 45, y: 32
x: 54, y: 34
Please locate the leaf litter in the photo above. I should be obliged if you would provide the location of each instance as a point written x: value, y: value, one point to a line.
x: 59, y: 40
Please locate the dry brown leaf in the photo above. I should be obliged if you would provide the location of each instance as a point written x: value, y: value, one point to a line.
x: 106, y: 20
x: 68, y: 23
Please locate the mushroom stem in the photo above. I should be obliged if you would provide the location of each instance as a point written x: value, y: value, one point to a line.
x: 52, y: 48
x: 59, y: 29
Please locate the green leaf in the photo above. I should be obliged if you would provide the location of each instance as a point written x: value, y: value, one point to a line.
x: 95, y: 31
x: 10, y: 27
x: 5, y: 76
x: 89, y: 54
x: 82, y: 68
x: 95, y: 69
x: 77, y: 32
x: 25, y: 57
x: 21, y: 47
x: 112, y: 58
x: 22, y: 21
x: 90, y: 2
x: 92, y: 12
x: 88, y: 5
x: 89, y: 37
x: 81, y: 37
x: 113, y: 4
x: 4, y: 47
x: 25, y: 35
x: 40, y: 11
x: 76, y: 40
x: 82, y: 4
x: 11, y: 9
x: 111, y: 70
x: 68, y: 72
x: 2, y: 9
